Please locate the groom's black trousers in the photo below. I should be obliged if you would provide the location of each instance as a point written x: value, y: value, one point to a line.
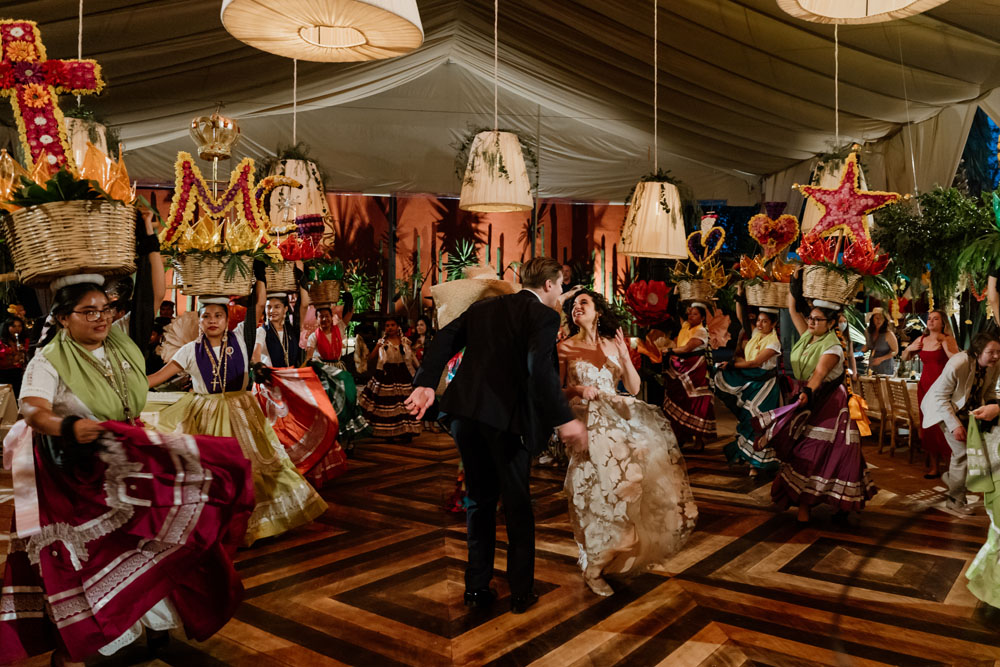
x: 496, y: 464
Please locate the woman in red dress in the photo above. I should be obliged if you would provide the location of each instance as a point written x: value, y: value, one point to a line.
x: 934, y: 347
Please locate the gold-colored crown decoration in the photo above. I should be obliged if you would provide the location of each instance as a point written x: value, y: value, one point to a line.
x: 215, y: 135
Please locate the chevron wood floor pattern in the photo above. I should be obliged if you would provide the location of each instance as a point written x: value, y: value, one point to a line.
x: 378, y: 581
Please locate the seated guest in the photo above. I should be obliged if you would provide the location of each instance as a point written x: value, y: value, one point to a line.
x: 967, y: 386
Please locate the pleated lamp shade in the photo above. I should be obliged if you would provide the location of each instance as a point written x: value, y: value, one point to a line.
x: 829, y: 178
x: 856, y: 11
x: 496, y: 180
x: 326, y: 30
x: 78, y: 131
x: 303, y: 210
x: 651, y: 231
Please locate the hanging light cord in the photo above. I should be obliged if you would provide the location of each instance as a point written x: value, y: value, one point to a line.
x: 295, y: 100
x: 656, y: 85
x: 496, y: 64
x: 836, y: 84
x: 909, y: 124
x: 79, y: 42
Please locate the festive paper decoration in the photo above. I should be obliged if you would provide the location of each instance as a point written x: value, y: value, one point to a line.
x: 703, y: 246
x: 241, y: 198
x: 750, y: 268
x: 10, y: 179
x: 32, y: 82
x: 845, y: 207
x: 861, y: 257
x: 814, y: 250
x: 648, y: 301
x: 773, y: 235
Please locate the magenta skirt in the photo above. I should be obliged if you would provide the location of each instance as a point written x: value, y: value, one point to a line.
x: 152, y: 516
x: 820, y: 453
x: 688, y: 400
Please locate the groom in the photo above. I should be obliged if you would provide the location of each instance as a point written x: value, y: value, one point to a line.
x: 504, y: 401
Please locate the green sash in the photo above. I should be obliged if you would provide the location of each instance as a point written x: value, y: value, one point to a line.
x: 981, y: 476
x: 89, y: 385
x: 805, y: 355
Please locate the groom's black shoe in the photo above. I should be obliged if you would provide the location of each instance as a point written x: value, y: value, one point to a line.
x: 484, y: 597
x: 520, y: 603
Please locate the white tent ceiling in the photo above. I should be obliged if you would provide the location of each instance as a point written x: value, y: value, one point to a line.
x: 745, y: 90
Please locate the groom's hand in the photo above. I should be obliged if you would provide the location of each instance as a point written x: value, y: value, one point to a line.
x: 418, y: 402
x: 574, y: 435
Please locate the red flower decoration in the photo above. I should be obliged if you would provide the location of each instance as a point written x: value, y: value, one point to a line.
x: 648, y: 301
x: 814, y: 249
x: 864, y: 258
x: 55, y: 72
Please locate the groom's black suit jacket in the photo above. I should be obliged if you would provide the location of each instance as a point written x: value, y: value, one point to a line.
x: 508, y: 377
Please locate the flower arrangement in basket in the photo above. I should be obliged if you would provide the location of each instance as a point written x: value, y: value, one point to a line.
x: 215, y: 253
x: 708, y: 276
x: 70, y: 222
x: 766, y: 276
x: 837, y: 267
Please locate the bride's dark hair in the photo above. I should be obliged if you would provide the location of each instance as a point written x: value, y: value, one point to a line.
x: 607, y: 320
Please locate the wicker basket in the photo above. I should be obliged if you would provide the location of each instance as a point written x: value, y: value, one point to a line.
x: 325, y: 291
x: 768, y: 294
x: 67, y: 237
x: 821, y: 283
x: 206, y: 277
x: 282, y: 280
x: 695, y: 290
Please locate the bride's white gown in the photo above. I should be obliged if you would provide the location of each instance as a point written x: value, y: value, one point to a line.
x: 630, y: 503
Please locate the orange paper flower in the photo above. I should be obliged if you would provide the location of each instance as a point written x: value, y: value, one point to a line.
x: 18, y: 51
x: 36, y: 95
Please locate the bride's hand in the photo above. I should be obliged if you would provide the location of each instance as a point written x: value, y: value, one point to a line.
x: 588, y: 393
x: 621, y: 344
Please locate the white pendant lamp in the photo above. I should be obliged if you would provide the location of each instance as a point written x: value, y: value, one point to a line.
x: 654, y: 225
x: 856, y: 11
x: 496, y: 179
x: 326, y: 30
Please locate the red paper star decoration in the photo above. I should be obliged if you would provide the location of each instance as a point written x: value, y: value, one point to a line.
x: 846, y: 206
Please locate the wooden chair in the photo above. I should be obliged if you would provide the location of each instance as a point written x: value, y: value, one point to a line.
x: 876, y: 408
x: 902, y: 414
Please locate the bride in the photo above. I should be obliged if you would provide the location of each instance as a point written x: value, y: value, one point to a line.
x: 630, y: 504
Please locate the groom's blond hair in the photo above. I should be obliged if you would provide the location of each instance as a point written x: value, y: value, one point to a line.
x: 537, y: 270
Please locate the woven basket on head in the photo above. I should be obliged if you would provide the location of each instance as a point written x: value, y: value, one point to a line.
x: 695, y: 290
x: 324, y: 291
x: 68, y: 237
x: 454, y: 297
x: 206, y: 276
x: 768, y: 295
x: 282, y: 280
x: 821, y: 283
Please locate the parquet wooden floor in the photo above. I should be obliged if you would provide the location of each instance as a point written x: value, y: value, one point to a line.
x: 378, y: 581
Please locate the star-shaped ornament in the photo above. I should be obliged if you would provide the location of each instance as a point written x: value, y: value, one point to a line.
x: 846, y: 206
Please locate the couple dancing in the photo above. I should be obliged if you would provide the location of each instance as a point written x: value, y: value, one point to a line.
x: 630, y: 504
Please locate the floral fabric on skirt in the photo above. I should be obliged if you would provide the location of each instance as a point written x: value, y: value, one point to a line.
x: 748, y: 393
x: 343, y: 394
x: 687, y: 398
x: 284, y: 499
x: 630, y: 504
x: 820, y: 452
x: 382, y: 402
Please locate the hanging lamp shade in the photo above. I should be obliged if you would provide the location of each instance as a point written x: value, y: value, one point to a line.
x: 302, y: 210
x: 496, y: 180
x: 856, y: 11
x: 326, y: 30
x: 654, y: 225
x: 79, y: 131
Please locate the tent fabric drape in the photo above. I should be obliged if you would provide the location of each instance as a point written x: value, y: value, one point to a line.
x: 745, y: 89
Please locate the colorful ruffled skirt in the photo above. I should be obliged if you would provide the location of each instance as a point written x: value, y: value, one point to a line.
x: 748, y: 393
x: 820, y: 452
x: 688, y: 401
x: 382, y: 402
x: 284, y: 499
x: 343, y: 395
x: 142, y: 533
